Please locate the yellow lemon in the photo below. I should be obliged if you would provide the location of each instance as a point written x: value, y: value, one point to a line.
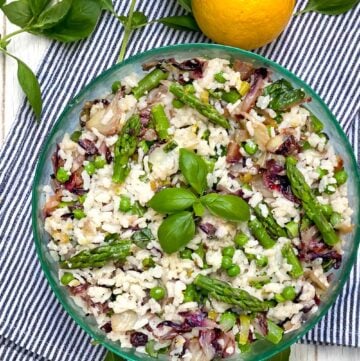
x: 246, y: 24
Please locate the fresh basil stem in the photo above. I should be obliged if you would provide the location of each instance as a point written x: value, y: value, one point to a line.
x: 127, y: 33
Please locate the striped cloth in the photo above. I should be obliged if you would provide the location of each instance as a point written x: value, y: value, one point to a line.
x: 322, y: 50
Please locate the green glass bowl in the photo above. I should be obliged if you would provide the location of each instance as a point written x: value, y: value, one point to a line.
x: 101, y: 86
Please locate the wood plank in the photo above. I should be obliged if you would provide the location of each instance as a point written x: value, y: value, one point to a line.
x: 336, y: 353
x: 300, y: 352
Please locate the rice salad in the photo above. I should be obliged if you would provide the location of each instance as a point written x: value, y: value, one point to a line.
x: 197, y: 209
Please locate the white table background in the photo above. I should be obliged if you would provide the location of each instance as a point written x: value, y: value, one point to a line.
x: 31, y: 50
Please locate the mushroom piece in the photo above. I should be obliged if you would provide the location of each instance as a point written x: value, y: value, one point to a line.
x: 125, y: 321
x: 106, y: 120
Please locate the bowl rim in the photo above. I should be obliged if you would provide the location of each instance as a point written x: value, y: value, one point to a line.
x: 155, y: 52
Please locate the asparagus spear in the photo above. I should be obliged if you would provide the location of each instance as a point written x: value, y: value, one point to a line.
x: 117, y: 250
x: 206, y: 110
x: 125, y: 147
x: 162, y: 123
x: 311, y: 205
x: 275, y: 332
x: 291, y: 258
x: 259, y: 232
x: 222, y: 291
x: 150, y: 81
x: 270, y: 224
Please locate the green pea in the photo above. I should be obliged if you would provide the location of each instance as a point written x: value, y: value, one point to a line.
x: 186, y: 253
x: 148, y: 263
x: 125, y: 204
x: 189, y: 88
x: 262, y: 261
x: 178, y: 104
x: 228, y: 251
x: 326, y: 210
x: 341, y: 177
x: 90, y: 168
x: 335, y: 218
x: 231, y: 97
x: 157, y: 293
x: 322, y: 172
x: 79, y: 213
x: 226, y: 262
x: 115, y: 87
x: 289, y: 293
x: 241, y: 239
x: 99, y: 162
x: 233, y: 271
x: 250, y: 147
x: 62, y: 175
x: 292, y: 229
x: 66, y: 278
x: 279, y: 298
x: 227, y: 321
x: 219, y: 77
x: 75, y: 136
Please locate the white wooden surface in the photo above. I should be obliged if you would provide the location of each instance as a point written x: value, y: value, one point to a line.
x: 31, y: 49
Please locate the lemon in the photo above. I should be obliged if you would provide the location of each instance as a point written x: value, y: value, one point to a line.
x: 246, y: 24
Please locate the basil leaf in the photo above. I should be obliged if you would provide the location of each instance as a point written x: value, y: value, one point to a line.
x: 2, y: 3
x: 18, y: 12
x: 194, y: 169
x: 227, y: 206
x: 330, y: 7
x: 186, y: 4
x: 107, y: 5
x: 176, y: 231
x: 281, y: 356
x: 138, y: 19
x: 29, y: 85
x: 53, y: 15
x: 170, y: 200
x: 37, y: 6
x: 180, y: 22
x: 78, y: 23
x: 112, y: 357
x: 142, y: 237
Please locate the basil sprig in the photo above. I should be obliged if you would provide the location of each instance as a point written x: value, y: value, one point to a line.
x: 66, y: 21
x: 72, y: 20
x: 226, y: 206
x: 182, y: 204
x: 176, y: 231
x: 329, y: 7
x: 171, y: 200
x: 194, y: 169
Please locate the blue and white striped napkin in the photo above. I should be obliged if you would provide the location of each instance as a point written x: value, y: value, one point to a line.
x: 323, y: 51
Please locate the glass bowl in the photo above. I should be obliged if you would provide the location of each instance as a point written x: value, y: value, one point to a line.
x: 101, y: 86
